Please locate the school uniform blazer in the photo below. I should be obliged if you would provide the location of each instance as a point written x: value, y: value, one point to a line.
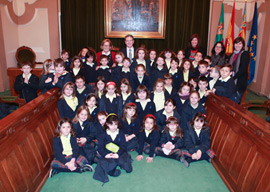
x: 177, y: 141
x: 161, y: 118
x: 98, y: 130
x: 118, y: 75
x: 105, y: 139
x: 179, y: 104
x: 129, y: 99
x: 110, y: 56
x: 133, y: 128
x: 65, y: 110
x: 105, y: 73
x: 115, y: 106
x: 225, y: 89
x: 58, y: 149
x: 81, y: 72
x: 82, y: 96
x: 134, y: 63
x: 94, y: 114
x: 67, y: 64
x: 124, y: 50
x: 42, y: 84
x: 152, y: 139
x: 181, y: 76
x: 155, y: 74
x: 188, y: 112
x: 90, y: 73
x: 135, y: 82
x: 150, y: 108
x: 192, y: 140
x: 177, y: 79
x: 27, y: 91
x: 173, y: 93
x: 62, y: 80
x: 87, y: 132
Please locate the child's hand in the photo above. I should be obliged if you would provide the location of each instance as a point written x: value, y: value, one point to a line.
x: 139, y: 157
x: 108, y: 156
x: 115, y: 156
x: 149, y: 159
x: 127, y: 138
x: 194, y: 156
x: 83, y: 140
x: 172, y: 147
x: 48, y: 80
x: 199, y: 154
x: 114, y: 65
x: 97, y: 68
x: 167, y: 146
x: 213, y: 90
x: 55, y: 79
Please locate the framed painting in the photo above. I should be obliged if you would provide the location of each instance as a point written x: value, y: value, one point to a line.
x: 141, y: 18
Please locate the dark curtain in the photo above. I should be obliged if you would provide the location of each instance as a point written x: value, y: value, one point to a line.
x: 82, y: 24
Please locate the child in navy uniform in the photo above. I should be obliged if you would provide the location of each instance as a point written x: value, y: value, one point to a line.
x: 82, y: 90
x: 126, y: 93
x: 182, y: 97
x: 27, y: 84
x: 48, y: 68
x: 76, y: 67
x: 170, y: 91
x: 140, y: 77
x: 186, y: 71
x: 203, y: 91
x: 91, y: 103
x: 89, y: 67
x: 104, y: 70
x: 141, y: 58
x: 66, y: 59
x: 158, y: 71
x: 159, y: 96
x: 122, y: 72
x: 100, y: 86
x: 174, y: 71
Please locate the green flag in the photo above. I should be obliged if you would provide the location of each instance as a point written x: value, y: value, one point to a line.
x: 220, y: 29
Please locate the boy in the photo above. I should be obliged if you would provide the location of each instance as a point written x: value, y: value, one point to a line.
x: 203, y: 69
x: 225, y: 86
x: 27, y: 84
x: 195, y: 63
x: 66, y: 59
x: 104, y: 70
x: 203, y: 84
x: 82, y: 90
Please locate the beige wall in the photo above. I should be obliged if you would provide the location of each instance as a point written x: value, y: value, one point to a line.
x: 262, y: 70
x: 32, y: 23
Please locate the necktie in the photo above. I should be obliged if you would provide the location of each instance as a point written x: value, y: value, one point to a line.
x: 129, y: 54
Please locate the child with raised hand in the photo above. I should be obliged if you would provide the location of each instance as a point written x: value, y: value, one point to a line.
x: 122, y: 72
x: 180, y: 56
x: 159, y: 96
x: 148, y: 138
x: 214, y: 74
x: 168, y: 111
x: 140, y: 78
x: 89, y: 67
x: 110, y: 101
x: 68, y: 102
x: 176, y: 74
x: 158, y: 71
x: 27, y: 83
x: 48, y: 70
x: 182, y: 97
x: 66, y: 59
x: 82, y: 90
x: 91, y: 103
x: 112, y: 148
x: 197, y: 140
x: 100, y: 86
x: 193, y: 106
x: 125, y: 91
x: 84, y: 130
x: 141, y: 58
x: 66, y: 151
x: 104, y: 70
x: 143, y: 102
x: 76, y: 67
x: 131, y: 125
x: 172, y: 141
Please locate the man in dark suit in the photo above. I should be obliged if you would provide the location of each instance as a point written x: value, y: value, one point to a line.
x: 129, y: 50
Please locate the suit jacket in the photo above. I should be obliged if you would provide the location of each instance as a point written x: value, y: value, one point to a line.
x: 124, y: 50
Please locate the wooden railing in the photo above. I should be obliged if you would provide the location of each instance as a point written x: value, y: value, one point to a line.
x: 241, y: 141
x: 26, y: 143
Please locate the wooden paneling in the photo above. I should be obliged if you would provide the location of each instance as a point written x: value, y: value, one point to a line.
x: 241, y: 141
x: 26, y: 143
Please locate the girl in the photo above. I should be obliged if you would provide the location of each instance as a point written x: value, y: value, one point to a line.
x: 218, y: 54
x: 84, y: 133
x: 90, y: 68
x: 194, y: 46
x: 186, y: 70
x: 193, y: 82
x: 197, y: 140
x: 182, y: 97
x: 168, y: 111
x: 172, y: 141
x: 140, y: 78
x: 148, y: 138
x: 100, y: 86
x: 126, y: 92
x: 141, y: 58
x: 159, y: 70
x: 45, y: 79
x: 159, y: 96
x: 175, y: 72
x: 168, y: 85
x: 82, y: 90
x: 66, y: 151
x: 82, y: 54
x: 76, y: 67
x: 180, y: 56
x: 119, y: 56
x: 168, y: 54
x: 152, y: 57
x: 214, y: 74
x: 99, y: 124
x: 122, y: 72
x: 68, y: 102
x: 110, y: 102
x: 143, y: 102
x: 193, y: 106
x: 91, y: 103
x: 130, y: 125
x: 106, y: 46
x: 112, y: 148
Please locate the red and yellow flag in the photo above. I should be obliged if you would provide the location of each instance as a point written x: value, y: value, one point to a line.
x: 230, y: 34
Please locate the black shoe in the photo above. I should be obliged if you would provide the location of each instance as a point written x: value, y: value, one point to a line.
x: 52, y: 172
x: 87, y: 167
x: 116, y: 173
x: 184, y: 161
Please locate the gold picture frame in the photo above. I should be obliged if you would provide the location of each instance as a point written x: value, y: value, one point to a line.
x: 140, y: 18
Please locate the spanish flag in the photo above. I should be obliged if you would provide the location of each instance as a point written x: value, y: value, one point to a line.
x: 242, y: 31
x: 230, y: 34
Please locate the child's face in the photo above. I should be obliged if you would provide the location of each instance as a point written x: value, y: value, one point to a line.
x: 112, y: 127
x: 79, y: 83
x: 159, y: 87
x: 180, y: 55
x: 126, y: 63
x: 198, y: 57
x: 194, y: 42
x: 225, y: 72
x: 160, y: 61
x: 77, y: 63
x: 84, y: 51
x: 202, y: 69
x: 194, y: 99
x: 218, y: 48
x: 106, y: 47
x: 149, y: 124
x: 152, y: 55
x: 91, y: 102
x: 174, y: 65
x: 186, y: 65
x: 130, y: 112
x: 102, y: 119
x: 141, y: 54
x: 68, y: 91
x: 65, y: 56
x: 172, y: 127
x: 168, y: 55
x: 100, y: 85
x: 124, y: 88
x: 118, y: 58
x: 26, y: 69
x: 59, y: 69
x: 104, y: 61
x: 51, y: 67
x: 65, y: 129
x: 110, y: 89
x: 198, y: 124
x: 168, y: 82
x: 169, y: 107
x: 90, y: 59
x: 193, y: 83
x: 140, y: 71
x: 83, y: 115
x: 142, y: 95
x: 185, y: 90
x: 202, y: 85
x: 214, y: 73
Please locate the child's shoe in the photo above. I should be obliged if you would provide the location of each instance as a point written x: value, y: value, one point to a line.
x: 52, y: 172
x: 184, y: 161
x: 87, y: 167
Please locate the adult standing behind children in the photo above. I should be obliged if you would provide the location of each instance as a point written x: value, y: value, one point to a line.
x: 194, y: 46
x: 129, y: 50
x: 106, y: 46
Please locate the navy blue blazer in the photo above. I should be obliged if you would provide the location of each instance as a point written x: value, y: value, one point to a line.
x: 161, y: 118
x: 90, y: 73
x: 98, y: 130
x: 42, y: 84
x: 116, y: 106
x: 155, y: 74
x: 88, y: 132
x: 81, y: 72
x: 82, y: 96
x: 106, y: 73
x: 62, y: 80
x: 134, y: 63
x: 118, y: 75
x: 150, y: 108
x: 181, y: 76
x: 124, y: 50
x: 67, y: 64
x: 178, y: 142
x: 65, y: 110
x: 152, y: 139
x: 172, y: 95
x: 179, y: 104
x: 133, y: 128
x: 226, y: 89
x: 135, y: 82
x: 94, y: 114
x: 129, y: 99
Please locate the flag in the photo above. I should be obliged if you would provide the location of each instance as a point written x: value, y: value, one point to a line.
x: 252, y: 45
x: 242, y: 31
x: 220, y: 29
x: 230, y: 34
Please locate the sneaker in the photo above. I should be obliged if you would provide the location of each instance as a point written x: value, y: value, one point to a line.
x: 52, y: 172
x: 87, y: 167
x: 183, y: 160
